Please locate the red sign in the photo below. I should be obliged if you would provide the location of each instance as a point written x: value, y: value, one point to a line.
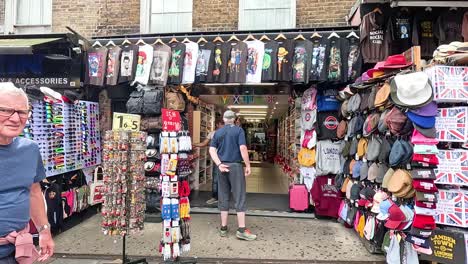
x: 171, y: 120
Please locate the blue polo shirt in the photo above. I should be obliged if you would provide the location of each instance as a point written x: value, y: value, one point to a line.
x: 20, y: 166
x: 227, y: 141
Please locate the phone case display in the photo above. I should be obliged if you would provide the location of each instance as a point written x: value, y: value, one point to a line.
x: 176, y: 167
x: 67, y: 134
x: 123, y: 210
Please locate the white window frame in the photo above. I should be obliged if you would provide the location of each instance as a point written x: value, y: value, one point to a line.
x: 145, y: 17
x: 11, y: 26
x: 242, y: 25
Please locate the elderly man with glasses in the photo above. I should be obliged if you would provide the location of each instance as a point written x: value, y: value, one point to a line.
x: 21, y: 171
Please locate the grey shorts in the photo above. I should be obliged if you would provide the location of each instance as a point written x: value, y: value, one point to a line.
x: 232, y: 181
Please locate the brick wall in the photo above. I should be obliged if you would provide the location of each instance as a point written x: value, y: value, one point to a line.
x: 320, y: 13
x: 96, y: 17
x: 209, y: 15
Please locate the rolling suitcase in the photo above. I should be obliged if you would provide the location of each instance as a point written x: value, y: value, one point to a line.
x: 298, y: 198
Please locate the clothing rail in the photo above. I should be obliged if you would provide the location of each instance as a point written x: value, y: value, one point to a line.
x: 194, y: 36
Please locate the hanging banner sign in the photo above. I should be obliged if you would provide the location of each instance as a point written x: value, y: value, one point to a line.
x: 447, y: 246
x: 54, y: 82
x: 171, y: 120
x: 123, y: 121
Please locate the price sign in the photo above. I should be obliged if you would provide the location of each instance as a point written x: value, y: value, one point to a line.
x: 126, y: 122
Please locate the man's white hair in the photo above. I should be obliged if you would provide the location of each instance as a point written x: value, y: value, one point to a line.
x: 11, y: 89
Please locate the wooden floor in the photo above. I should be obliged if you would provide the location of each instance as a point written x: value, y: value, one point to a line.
x: 265, y: 178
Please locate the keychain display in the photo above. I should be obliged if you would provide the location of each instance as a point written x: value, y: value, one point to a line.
x: 175, y: 148
x: 67, y: 134
x: 123, y: 210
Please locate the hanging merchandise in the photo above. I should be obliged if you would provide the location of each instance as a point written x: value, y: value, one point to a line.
x: 354, y: 62
x: 237, y: 64
x: 303, y: 50
x: 96, y: 66
x: 123, y: 209
x: 113, y: 65
x: 175, y: 189
x: 337, y: 61
x: 74, y: 146
x: 423, y: 32
x: 285, y: 60
x: 375, y: 37
x: 143, y: 68
x: 448, y: 27
x: 205, y: 62
x: 221, y: 57
x: 160, y: 67
x: 190, y: 62
x: 319, y: 61
x: 402, y: 31
x: 128, y: 63
x: 177, y: 63
x: 255, y: 54
x: 269, y: 67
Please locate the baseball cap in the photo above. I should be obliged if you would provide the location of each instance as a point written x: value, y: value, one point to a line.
x: 426, y: 186
x: 409, y: 214
x: 421, y: 232
x: 426, y: 197
x: 426, y: 149
x: 229, y: 115
x: 378, y: 198
x: 422, y: 250
x: 395, y: 217
x: 364, y: 203
x: 384, y: 207
x: 418, y: 138
x: 425, y: 211
x: 422, y: 121
x: 430, y: 159
x: 425, y: 174
x: 415, y: 240
x: 427, y: 110
x: 429, y: 205
x: 424, y: 222
x: 428, y: 132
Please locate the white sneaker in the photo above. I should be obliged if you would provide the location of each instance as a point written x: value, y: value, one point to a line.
x: 212, y: 201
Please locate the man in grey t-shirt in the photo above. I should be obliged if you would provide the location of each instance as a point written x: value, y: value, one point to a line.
x: 21, y: 170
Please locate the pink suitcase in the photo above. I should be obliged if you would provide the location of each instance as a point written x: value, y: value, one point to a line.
x: 298, y: 198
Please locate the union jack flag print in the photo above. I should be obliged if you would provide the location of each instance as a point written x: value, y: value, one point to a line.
x: 451, y: 124
x: 452, y: 208
x: 450, y: 84
x: 452, y: 168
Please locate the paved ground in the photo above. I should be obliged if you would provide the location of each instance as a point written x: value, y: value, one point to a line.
x: 310, y: 240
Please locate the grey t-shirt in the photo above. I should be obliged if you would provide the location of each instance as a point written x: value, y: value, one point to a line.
x: 20, y: 166
x: 329, y: 157
x: 160, y: 67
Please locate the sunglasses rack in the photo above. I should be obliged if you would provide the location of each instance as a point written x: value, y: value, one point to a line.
x: 67, y: 135
x: 175, y: 149
x: 123, y: 210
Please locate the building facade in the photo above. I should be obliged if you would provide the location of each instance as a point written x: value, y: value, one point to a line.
x: 112, y: 17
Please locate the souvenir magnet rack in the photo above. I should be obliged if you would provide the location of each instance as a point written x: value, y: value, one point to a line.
x: 123, y: 209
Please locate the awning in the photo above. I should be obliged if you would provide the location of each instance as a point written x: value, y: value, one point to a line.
x: 23, y: 45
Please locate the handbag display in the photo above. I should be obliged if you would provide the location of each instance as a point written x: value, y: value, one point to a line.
x: 97, y: 187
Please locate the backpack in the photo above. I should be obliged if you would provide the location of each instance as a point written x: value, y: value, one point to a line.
x: 135, y: 102
x: 152, y: 102
x: 174, y: 100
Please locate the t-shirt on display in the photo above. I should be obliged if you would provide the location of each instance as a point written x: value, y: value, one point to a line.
x: 302, y: 61
x: 160, y: 67
x: 318, y: 62
x: 237, y: 62
x: 255, y: 53
x: 448, y: 27
x: 285, y: 60
x: 190, y: 62
x: 221, y: 56
x: 128, y: 63
x: 269, y: 61
x: 177, y: 62
x: 354, y: 63
x: 337, y: 60
x: 96, y: 65
x: 113, y: 65
x: 423, y: 33
x: 145, y: 59
x: 375, y: 38
x: 205, y: 61
x: 401, y: 27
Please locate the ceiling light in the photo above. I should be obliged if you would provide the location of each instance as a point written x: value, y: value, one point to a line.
x: 248, y: 106
x: 251, y: 114
x: 255, y: 117
x: 276, y: 103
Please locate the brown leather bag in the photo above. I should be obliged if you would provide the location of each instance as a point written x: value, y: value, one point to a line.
x: 174, y: 100
x: 151, y: 123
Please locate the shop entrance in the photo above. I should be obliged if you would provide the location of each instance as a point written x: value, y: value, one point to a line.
x: 258, y: 115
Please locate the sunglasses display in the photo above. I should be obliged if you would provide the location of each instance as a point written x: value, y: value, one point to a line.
x: 123, y: 210
x: 67, y: 134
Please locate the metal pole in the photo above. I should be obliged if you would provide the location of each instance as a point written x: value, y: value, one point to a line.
x: 124, y: 257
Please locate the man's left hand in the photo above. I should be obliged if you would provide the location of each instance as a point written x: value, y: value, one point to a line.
x: 247, y: 171
x: 46, y: 245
